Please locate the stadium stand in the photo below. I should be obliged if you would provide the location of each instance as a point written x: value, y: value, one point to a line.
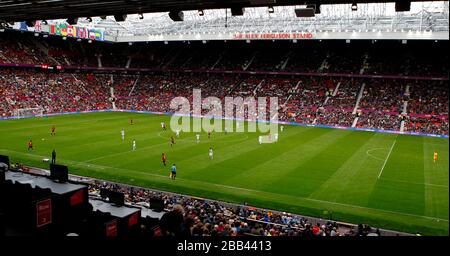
x: 306, y: 100
x: 383, y: 58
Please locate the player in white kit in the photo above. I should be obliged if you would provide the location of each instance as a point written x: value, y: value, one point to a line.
x: 123, y: 134
x: 134, y: 145
x: 282, y: 128
x: 260, y: 140
x: 276, y: 136
x: 211, y: 153
x: 178, y: 133
x: 198, y: 138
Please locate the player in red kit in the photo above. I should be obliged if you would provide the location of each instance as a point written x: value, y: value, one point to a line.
x: 30, y: 145
x: 53, y: 133
x: 164, y: 158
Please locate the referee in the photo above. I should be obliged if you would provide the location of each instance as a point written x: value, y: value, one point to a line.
x: 174, y: 171
x: 53, y: 157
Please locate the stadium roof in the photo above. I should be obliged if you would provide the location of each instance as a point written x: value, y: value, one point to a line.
x: 425, y: 20
x: 57, y: 9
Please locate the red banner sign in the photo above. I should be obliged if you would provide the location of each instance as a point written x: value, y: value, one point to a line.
x: 43, y: 213
x: 306, y: 35
x: 111, y: 228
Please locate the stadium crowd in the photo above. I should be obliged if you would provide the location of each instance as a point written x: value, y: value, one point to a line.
x: 325, y: 57
x: 50, y: 92
x: 338, y: 109
x: 427, y: 108
x: 309, y: 100
x: 189, y: 216
x: 381, y: 105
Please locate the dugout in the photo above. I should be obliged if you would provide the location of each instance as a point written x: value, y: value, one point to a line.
x: 127, y: 219
x: 38, y: 204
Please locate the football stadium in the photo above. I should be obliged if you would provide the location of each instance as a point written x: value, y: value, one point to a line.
x: 224, y: 118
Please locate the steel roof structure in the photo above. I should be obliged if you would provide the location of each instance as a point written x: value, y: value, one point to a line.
x: 425, y: 20
x: 23, y: 10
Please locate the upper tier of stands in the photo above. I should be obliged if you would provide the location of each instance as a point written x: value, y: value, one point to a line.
x: 358, y: 57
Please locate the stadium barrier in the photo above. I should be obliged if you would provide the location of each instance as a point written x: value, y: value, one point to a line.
x: 236, y: 119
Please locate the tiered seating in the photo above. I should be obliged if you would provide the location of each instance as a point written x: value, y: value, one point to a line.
x: 51, y: 92
x: 300, y: 100
x: 428, y: 107
x: 381, y: 105
x: 338, y: 109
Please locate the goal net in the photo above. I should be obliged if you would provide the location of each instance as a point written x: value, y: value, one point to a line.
x: 28, y: 112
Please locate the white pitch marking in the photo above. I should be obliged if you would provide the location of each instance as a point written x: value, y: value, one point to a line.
x: 373, y: 149
x: 385, y: 161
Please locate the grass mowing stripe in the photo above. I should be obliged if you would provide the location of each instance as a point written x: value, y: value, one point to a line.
x: 405, y: 163
x: 269, y: 171
x: 183, y: 148
x: 240, y: 160
x: 241, y: 155
x: 353, y: 182
x: 49, y: 123
x: 387, y: 158
x: 416, y: 183
x: 306, y: 178
x: 436, y: 197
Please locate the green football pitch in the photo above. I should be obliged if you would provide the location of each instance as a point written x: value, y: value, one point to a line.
x: 385, y: 180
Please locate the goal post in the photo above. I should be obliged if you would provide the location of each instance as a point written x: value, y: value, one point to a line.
x: 28, y: 112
